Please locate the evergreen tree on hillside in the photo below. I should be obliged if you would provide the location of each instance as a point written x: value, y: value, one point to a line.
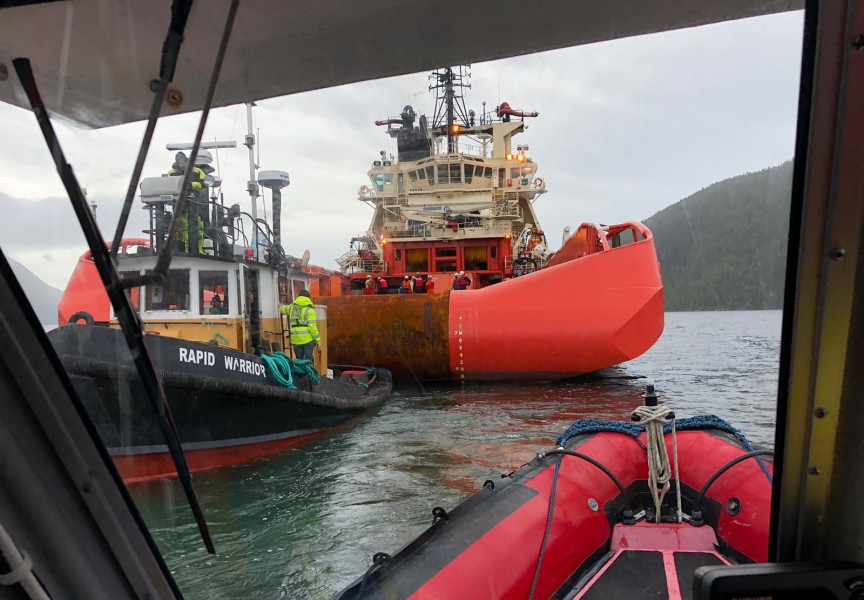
x: 724, y: 247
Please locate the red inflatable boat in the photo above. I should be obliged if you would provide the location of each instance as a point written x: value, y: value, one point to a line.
x: 579, y: 521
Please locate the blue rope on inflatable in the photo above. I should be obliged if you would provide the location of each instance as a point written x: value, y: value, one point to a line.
x: 283, y: 368
x: 698, y: 423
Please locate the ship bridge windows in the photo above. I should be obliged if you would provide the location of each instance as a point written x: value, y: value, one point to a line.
x: 412, y: 175
x: 430, y: 174
x: 213, y: 292
x: 172, y: 295
x: 469, y: 173
x: 383, y: 179
x: 450, y: 173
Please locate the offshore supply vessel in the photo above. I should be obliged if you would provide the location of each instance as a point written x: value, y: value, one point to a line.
x: 454, y: 211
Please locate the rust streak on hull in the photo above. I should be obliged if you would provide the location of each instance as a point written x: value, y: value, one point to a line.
x: 406, y: 332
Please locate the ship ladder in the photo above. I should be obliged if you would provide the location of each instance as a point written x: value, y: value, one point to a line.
x: 285, y: 327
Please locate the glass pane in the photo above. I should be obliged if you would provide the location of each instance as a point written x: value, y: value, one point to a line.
x: 690, y: 132
x: 213, y: 292
x: 172, y: 295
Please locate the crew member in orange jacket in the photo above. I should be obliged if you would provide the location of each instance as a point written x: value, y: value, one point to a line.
x: 461, y: 281
x: 418, y: 284
x: 382, y: 285
x: 407, y: 285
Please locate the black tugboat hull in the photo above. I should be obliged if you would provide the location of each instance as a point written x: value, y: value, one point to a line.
x: 228, y: 406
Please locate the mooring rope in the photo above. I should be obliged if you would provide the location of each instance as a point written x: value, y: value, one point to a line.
x: 659, y: 472
x: 284, y: 368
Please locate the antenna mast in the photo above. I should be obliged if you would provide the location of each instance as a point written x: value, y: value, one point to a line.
x: 449, y: 102
x: 252, y: 184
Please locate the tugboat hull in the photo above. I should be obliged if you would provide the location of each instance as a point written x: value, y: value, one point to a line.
x: 228, y: 406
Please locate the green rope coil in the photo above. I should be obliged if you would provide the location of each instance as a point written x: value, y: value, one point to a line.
x: 284, y: 368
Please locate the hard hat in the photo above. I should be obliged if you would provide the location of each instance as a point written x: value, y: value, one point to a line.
x: 406, y: 277
x: 461, y: 272
x: 368, y: 277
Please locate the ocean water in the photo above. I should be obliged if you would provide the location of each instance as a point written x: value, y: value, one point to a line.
x: 306, y: 523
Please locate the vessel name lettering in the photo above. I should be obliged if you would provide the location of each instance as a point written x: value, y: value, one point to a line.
x: 245, y: 366
x: 199, y: 357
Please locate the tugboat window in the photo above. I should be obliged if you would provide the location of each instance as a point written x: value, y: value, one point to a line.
x: 133, y: 293
x: 173, y: 295
x: 213, y: 292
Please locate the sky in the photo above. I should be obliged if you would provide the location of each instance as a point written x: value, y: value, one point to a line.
x: 626, y: 128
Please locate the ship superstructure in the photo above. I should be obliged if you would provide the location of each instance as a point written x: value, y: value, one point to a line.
x: 458, y: 196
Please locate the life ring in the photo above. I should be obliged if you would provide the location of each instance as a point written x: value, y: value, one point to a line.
x: 364, y: 190
x: 539, y: 183
x: 218, y: 338
x: 82, y: 314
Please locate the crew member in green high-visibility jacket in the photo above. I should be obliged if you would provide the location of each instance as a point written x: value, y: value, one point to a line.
x: 181, y: 163
x: 304, y: 325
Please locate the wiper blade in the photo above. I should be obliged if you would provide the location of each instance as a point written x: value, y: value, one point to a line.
x: 127, y: 317
x: 170, y: 52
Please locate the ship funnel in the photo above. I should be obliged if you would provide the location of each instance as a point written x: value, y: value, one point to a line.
x: 275, y: 180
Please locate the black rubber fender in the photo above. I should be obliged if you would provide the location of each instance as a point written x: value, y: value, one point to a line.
x: 82, y: 314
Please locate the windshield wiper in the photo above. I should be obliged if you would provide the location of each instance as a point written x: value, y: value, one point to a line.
x: 128, y: 319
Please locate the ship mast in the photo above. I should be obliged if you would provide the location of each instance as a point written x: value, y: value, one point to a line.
x: 449, y: 102
x: 252, y: 184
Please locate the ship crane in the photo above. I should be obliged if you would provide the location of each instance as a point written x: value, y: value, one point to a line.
x: 505, y: 112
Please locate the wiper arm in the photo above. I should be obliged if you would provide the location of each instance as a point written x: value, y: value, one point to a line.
x: 127, y: 317
x: 168, y: 64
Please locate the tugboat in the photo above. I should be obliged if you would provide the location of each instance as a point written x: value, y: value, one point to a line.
x: 215, y: 334
x: 615, y: 510
x: 454, y: 211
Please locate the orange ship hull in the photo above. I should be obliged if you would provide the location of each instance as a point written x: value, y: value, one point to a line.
x: 580, y: 315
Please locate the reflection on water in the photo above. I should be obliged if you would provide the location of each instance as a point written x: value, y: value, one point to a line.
x: 306, y: 523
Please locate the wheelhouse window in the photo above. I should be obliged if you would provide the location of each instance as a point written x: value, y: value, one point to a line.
x: 455, y: 173
x: 132, y: 293
x: 213, y: 292
x: 172, y: 295
x: 469, y: 173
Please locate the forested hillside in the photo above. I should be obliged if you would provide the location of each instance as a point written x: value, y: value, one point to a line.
x: 724, y: 247
x: 42, y: 296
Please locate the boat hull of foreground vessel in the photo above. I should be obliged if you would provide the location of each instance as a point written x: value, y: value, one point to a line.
x: 576, y: 316
x: 561, y: 527
x: 228, y: 406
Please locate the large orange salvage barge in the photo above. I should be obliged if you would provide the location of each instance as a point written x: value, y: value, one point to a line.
x: 454, y: 278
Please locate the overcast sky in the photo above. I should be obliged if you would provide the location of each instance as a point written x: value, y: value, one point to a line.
x: 626, y: 128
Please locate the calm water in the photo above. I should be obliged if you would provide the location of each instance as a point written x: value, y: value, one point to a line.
x: 306, y: 523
